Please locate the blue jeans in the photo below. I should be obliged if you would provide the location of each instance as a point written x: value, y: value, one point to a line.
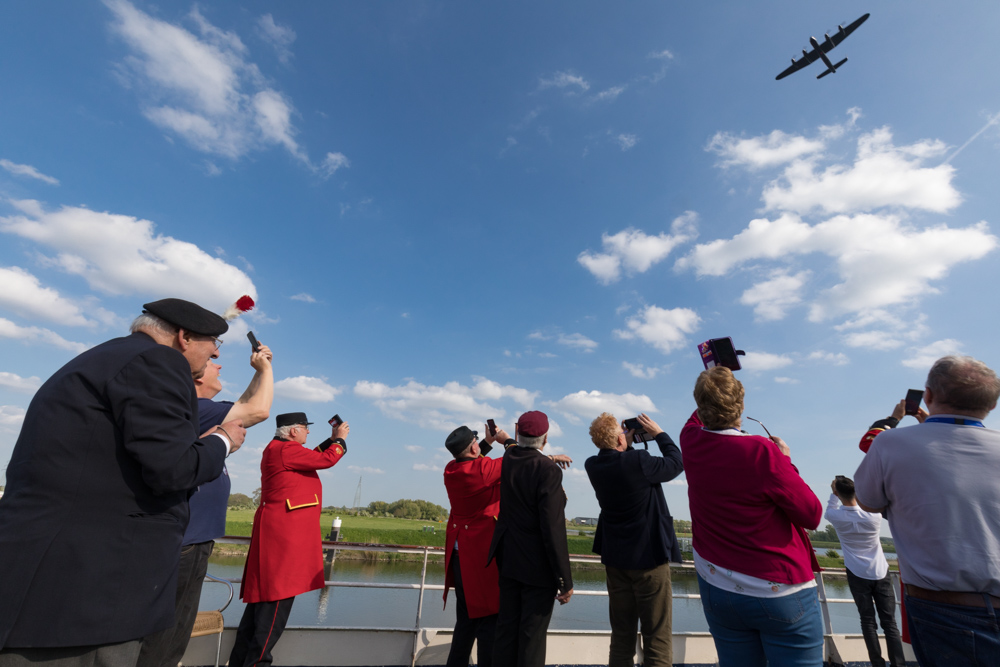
x: 751, y: 631
x: 947, y: 634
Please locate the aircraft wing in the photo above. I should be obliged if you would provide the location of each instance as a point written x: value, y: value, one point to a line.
x: 842, y: 34
x: 801, y: 63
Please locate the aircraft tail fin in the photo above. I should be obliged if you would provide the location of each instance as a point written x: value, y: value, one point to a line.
x: 833, y: 69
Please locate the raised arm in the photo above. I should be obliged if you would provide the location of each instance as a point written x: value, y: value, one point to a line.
x: 254, y: 406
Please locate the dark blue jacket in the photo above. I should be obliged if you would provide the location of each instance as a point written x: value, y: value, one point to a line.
x: 97, y: 498
x: 635, y: 530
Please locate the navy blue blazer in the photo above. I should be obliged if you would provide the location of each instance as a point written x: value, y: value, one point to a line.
x: 635, y: 530
x: 96, y: 500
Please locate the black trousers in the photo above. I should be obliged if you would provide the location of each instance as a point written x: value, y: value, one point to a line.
x: 524, y: 617
x: 166, y: 647
x: 469, y: 630
x: 873, y: 596
x: 260, y: 628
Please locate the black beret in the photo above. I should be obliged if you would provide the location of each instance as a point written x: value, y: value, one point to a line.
x: 292, y: 419
x: 188, y: 316
x: 459, y: 439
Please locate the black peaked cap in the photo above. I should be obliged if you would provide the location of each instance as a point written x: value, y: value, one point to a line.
x: 292, y: 419
x: 459, y: 439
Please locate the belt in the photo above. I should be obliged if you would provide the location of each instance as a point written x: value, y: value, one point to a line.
x: 950, y: 597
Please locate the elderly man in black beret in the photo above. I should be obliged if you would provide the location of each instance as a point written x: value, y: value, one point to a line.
x: 96, y: 501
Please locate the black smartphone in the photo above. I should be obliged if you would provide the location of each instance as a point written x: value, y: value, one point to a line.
x: 254, y: 343
x: 336, y: 420
x: 725, y: 353
x: 913, y: 399
x: 638, y: 432
x: 492, y: 426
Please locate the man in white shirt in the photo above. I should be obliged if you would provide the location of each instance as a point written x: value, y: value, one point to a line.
x: 867, y: 570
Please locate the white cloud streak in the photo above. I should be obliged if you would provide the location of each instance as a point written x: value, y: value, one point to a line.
x: 14, y: 331
x: 924, y: 357
x: 305, y: 388
x: 587, y: 405
x: 278, y: 36
x: 563, y: 80
x: 120, y: 254
x: 27, y: 170
x: 28, y: 385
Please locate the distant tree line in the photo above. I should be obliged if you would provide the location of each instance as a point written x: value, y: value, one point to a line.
x: 405, y: 508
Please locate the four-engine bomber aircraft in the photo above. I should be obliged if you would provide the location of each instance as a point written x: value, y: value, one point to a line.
x: 820, y: 49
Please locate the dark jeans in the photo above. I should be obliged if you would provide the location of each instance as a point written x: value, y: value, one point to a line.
x: 525, y: 612
x: 643, y: 598
x: 944, y: 635
x: 165, y: 648
x: 469, y: 630
x: 260, y: 628
x: 871, y: 596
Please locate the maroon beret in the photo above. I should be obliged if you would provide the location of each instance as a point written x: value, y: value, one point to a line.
x: 533, y: 424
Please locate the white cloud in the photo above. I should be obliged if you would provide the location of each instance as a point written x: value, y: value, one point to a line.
x: 334, y: 161
x: 302, y: 296
x: 661, y: 55
x: 664, y: 329
x: 924, y: 357
x: 444, y: 407
x: 772, y: 298
x: 626, y: 141
x: 879, y: 329
x: 305, y: 388
x: 279, y: 36
x: 11, y: 416
x: 27, y: 170
x: 413, y: 449
x: 785, y: 380
x: 23, y: 294
x: 881, y: 260
x: 589, y: 404
x: 760, y: 152
x: 610, y: 94
x: 426, y: 467
x: 563, y: 80
x: 202, y: 87
x: 574, y: 340
x: 764, y: 361
x: 366, y: 470
x: 835, y: 358
x: 119, y: 254
x: 37, y: 334
x: 640, y: 371
x: 13, y: 381
x: 633, y: 251
x: 882, y: 175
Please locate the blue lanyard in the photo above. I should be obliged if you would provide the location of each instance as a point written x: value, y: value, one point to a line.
x: 955, y: 420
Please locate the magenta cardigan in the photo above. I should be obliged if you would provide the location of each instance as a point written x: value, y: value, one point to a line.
x: 749, y: 506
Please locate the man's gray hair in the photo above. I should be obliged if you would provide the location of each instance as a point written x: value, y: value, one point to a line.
x: 531, y: 442
x: 150, y: 321
x: 964, y: 383
x: 284, y: 432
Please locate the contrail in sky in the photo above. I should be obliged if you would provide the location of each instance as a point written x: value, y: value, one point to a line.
x: 994, y: 119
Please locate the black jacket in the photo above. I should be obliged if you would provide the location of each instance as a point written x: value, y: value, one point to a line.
x: 529, y: 542
x: 635, y: 530
x: 96, y: 500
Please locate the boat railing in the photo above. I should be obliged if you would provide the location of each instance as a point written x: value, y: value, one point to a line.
x: 427, y: 551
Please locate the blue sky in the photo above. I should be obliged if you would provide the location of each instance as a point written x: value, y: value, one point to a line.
x: 455, y: 211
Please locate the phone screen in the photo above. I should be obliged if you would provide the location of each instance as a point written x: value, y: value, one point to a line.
x: 913, y: 399
x: 336, y: 420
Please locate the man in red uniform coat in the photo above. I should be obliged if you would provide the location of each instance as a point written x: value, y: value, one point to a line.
x: 473, y: 484
x: 286, y: 553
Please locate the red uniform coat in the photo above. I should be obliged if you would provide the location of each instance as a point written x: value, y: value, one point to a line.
x: 474, y: 493
x: 286, y: 553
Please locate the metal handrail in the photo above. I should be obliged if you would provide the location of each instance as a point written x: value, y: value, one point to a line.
x: 427, y: 551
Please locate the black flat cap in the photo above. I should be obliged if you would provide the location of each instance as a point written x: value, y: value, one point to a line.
x: 292, y: 419
x: 459, y: 439
x: 188, y: 316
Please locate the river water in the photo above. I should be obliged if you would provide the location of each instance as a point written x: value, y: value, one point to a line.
x: 368, y: 607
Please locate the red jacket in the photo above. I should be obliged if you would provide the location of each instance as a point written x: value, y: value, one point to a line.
x: 286, y: 553
x: 474, y: 493
x: 749, y: 506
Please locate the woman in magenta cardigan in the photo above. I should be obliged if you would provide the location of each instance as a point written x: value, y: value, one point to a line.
x: 750, y: 510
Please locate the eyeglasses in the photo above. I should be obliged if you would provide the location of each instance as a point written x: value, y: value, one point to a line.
x: 761, y: 425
